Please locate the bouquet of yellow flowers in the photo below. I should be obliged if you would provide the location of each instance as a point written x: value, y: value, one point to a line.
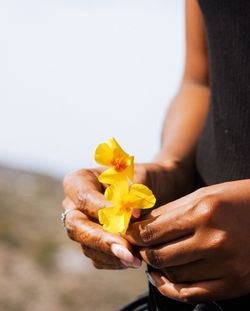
x: 123, y: 193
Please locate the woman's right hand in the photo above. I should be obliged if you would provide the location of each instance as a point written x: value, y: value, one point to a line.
x: 84, y: 197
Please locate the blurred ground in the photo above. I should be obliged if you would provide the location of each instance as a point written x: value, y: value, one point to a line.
x: 40, y: 269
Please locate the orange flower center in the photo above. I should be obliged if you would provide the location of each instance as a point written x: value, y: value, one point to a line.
x: 119, y: 164
x: 126, y: 207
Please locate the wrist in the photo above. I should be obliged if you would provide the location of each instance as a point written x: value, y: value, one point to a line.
x: 182, y: 171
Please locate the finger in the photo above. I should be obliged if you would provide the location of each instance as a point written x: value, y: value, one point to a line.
x: 189, y: 293
x: 101, y: 260
x: 67, y: 204
x: 197, y: 271
x: 167, y: 227
x: 172, y: 254
x: 100, y: 265
x: 106, y: 259
x: 85, y: 191
x: 187, y: 200
x: 100, y: 256
x: 92, y: 235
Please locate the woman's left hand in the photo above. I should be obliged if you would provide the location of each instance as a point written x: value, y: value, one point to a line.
x: 199, y: 244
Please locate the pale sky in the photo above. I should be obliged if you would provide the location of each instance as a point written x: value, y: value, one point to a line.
x: 75, y: 73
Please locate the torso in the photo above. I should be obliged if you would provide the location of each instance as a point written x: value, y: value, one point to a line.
x: 224, y: 148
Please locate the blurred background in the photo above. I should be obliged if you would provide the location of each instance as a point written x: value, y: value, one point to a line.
x: 73, y: 74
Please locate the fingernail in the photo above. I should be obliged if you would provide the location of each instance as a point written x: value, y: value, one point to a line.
x: 150, y: 278
x: 135, y: 264
x: 122, y: 253
x: 136, y: 213
x: 125, y: 263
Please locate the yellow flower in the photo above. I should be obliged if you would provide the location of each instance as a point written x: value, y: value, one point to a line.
x: 116, y: 218
x: 121, y: 164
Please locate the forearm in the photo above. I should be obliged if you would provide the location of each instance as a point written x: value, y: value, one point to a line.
x: 184, y: 122
x: 188, y: 110
x: 182, y: 127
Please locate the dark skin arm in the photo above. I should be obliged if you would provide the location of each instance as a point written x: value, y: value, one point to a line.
x: 197, y: 244
x: 188, y: 110
x: 169, y: 176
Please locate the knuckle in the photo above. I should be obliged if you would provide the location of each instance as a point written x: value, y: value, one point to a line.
x: 68, y: 179
x: 219, y: 241
x: 154, y: 259
x: 147, y: 235
x: 208, y: 206
x: 216, y: 245
x: 100, y: 243
x: 81, y: 200
x: 91, y: 238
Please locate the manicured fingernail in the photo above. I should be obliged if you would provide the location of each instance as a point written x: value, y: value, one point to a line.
x: 125, y: 263
x: 135, y: 264
x: 136, y: 213
x: 122, y: 253
x: 150, y: 278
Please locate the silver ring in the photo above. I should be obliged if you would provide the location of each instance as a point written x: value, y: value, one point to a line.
x: 65, y: 213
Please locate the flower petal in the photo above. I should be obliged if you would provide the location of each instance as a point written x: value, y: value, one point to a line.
x: 118, y: 152
x: 113, y: 220
x: 141, y: 196
x: 116, y: 192
x: 130, y: 169
x: 126, y: 218
x: 111, y: 176
x: 104, y: 154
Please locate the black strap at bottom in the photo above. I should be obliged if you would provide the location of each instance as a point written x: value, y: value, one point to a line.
x: 140, y: 304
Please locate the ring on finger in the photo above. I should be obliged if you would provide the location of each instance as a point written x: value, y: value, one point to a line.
x: 65, y: 213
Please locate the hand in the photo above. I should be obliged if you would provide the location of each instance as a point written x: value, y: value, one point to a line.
x: 199, y: 244
x: 84, y: 195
